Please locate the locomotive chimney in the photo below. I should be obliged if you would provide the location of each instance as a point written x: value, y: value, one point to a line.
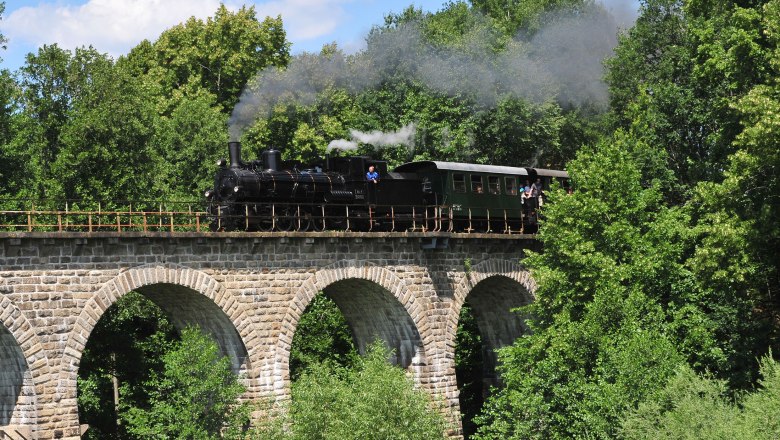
x: 235, y: 154
x: 271, y: 158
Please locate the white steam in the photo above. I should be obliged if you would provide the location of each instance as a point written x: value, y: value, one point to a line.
x: 403, y: 136
x: 342, y: 144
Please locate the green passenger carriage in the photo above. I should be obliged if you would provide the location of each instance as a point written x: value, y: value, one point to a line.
x: 485, y: 198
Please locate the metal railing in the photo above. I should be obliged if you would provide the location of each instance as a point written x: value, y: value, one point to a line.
x: 266, y: 217
x: 161, y: 219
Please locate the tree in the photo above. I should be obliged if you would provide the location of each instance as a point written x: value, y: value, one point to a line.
x: 219, y: 55
x: 13, y: 158
x: 469, y: 369
x: 321, y: 337
x: 105, y: 144
x: 188, y: 143
x: 676, y: 73
x: 46, y: 98
x: 614, y: 315
x: 514, y: 15
x: 127, y: 343
x: 195, y: 396
x: 738, y: 218
x: 373, y: 400
x: 517, y: 133
x: 692, y: 406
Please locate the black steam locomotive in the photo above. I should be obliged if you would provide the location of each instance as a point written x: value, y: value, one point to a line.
x: 271, y: 195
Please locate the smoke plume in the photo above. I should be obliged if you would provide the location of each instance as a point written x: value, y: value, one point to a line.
x: 563, y: 61
x: 404, y: 136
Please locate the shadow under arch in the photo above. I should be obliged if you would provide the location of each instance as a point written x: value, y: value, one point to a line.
x: 188, y: 296
x: 23, y: 367
x: 375, y: 302
x: 493, y: 288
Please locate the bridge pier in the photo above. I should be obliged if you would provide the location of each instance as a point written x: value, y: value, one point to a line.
x: 248, y: 291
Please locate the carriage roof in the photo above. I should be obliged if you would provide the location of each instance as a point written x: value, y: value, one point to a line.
x: 466, y: 167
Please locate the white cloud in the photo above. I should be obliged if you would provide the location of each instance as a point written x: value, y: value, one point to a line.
x: 115, y: 26
x: 306, y: 19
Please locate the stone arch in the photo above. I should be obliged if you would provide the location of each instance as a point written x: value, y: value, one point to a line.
x: 206, y: 298
x: 24, y: 368
x: 409, y: 340
x: 493, y: 288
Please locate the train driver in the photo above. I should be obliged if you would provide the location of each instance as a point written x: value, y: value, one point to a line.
x: 372, y: 175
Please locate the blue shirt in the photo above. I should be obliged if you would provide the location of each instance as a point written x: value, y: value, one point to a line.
x: 372, y: 175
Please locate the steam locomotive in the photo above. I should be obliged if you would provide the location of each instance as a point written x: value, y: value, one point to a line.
x: 268, y: 194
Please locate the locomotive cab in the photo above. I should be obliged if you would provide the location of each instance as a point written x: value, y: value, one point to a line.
x: 354, y: 168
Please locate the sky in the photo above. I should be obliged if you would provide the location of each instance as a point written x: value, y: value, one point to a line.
x: 116, y: 26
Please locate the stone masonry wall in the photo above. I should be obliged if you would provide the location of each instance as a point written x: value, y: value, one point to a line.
x: 248, y: 291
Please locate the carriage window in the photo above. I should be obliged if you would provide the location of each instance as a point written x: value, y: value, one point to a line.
x: 509, y: 184
x: 494, y: 187
x: 459, y: 183
x: 476, y: 184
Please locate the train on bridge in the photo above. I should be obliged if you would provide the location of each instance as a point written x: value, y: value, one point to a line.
x: 268, y: 194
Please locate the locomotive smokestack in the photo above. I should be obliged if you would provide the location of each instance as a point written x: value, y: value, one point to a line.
x: 271, y: 158
x: 235, y: 154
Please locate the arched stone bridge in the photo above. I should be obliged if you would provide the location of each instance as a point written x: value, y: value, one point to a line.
x: 248, y: 291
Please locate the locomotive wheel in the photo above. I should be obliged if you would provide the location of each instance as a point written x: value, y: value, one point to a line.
x: 264, y: 221
x: 318, y: 223
x: 335, y: 219
x: 304, y: 224
x: 285, y: 218
x: 310, y: 220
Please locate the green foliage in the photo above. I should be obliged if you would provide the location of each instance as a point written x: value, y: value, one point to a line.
x: 128, y: 342
x: 694, y: 407
x: 169, y: 387
x: 108, y: 133
x: 518, y: 133
x: 195, y: 396
x: 191, y: 139
x: 676, y: 74
x: 738, y: 219
x: 12, y: 158
x: 76, y: 125
x: 46, y: 96
x: 219, y: 55
x: 514, y: 15
x: 614, y: 316
x: 372, y: 400
x: 321, y: 337
x: 469, y: 368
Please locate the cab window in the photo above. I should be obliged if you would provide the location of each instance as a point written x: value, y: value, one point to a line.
x: 494, y: 186
x: 459, y: 183
x: 511, y: 187
x: 476, y: 184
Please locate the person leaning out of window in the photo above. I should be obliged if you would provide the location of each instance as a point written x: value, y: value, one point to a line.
x: 372, y: 175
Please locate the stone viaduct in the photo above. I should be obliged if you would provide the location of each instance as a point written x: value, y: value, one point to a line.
x: 248, y: 290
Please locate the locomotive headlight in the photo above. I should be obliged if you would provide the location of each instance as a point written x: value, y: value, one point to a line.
x: 221, y: 163
x: 208, y: 194
x: 236, y: 189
